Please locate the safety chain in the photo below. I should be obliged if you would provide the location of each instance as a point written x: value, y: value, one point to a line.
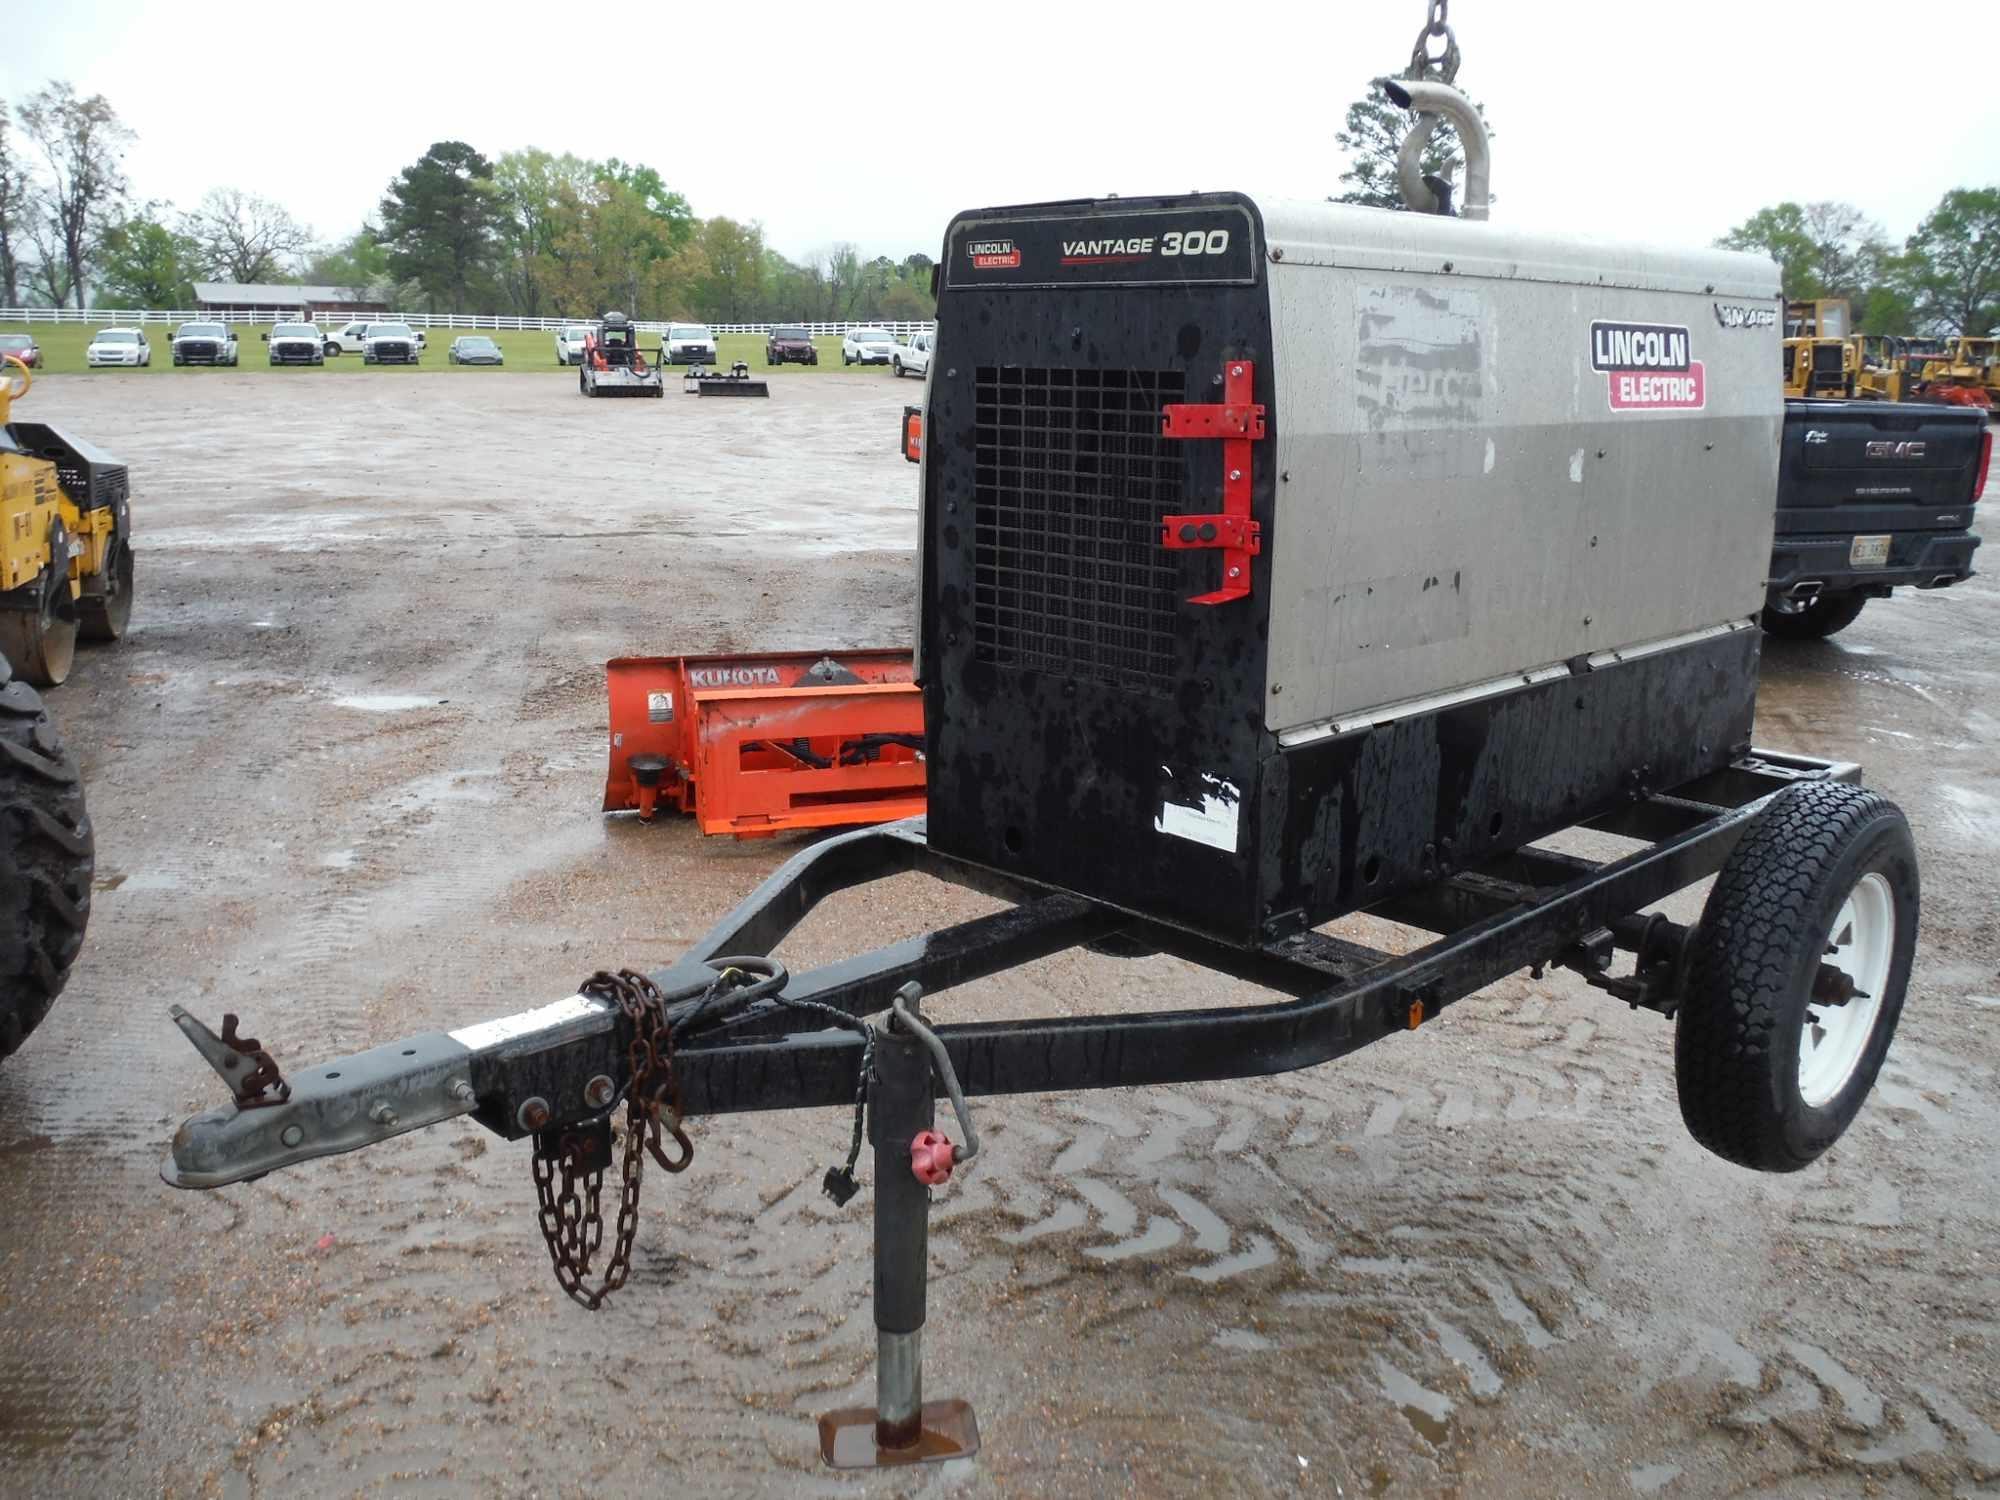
x: 572, y: 1221
x: 569, y: 1164
x: 1423, y: 64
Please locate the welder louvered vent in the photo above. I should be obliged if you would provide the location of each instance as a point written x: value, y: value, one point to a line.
x: 1073, y: 478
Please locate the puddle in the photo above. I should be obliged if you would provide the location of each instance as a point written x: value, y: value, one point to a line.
x: 1650, y: 1477
x: 1427, y: 1411
x: 1241, y: 1339
x: 387, y: 703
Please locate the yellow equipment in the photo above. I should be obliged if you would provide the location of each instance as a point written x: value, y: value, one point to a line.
x: 1819, y: 318
x: 65, y: 541
x: 1881, y: 367
x: 1954, y: 375
x: 1819, y: 367
x: 1985, y: 355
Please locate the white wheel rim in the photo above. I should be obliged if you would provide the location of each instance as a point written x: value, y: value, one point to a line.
x: 1834, y: 1037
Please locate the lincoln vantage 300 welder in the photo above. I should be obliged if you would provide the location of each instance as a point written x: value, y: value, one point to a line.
x: 1279, y: 560
x: 1277, y: 556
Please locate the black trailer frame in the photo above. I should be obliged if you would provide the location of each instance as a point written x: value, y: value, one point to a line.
x: 551, y: 1071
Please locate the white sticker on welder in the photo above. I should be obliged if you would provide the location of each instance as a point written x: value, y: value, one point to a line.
x: 660, y: 707
x: 1209, y: 819
x: 546, y: 1018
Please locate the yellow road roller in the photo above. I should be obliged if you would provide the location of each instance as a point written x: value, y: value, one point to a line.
x: 65, y: 541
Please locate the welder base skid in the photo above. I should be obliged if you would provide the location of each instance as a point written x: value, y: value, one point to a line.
x: 1802, y: 827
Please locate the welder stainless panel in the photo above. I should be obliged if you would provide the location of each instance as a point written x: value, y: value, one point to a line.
x: 1463, y: 501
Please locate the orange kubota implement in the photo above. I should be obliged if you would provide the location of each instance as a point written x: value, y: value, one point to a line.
x: 755, y: 745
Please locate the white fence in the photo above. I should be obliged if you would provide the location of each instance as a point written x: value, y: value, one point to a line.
x: 111, y: 317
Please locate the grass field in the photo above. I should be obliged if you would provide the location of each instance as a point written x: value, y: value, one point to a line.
x: 63, y: 345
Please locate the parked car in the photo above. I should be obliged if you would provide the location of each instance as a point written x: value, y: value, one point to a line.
x: 203, y: 344
x: 353, y: 338
x: 689, y: 344
x: 119, y: 346
x: 915, y: 356
x: 569, y: 342
x: 22, y: 346
x: 296, y: 344
x: 391, y: 344
x: 868, y: 346
x: 475, y: 349
x: 790, y: 346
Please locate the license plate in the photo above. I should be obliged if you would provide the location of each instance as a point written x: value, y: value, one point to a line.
x: 1868, y: 552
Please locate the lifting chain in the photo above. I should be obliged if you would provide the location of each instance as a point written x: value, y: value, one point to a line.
x: 1442, y: 66
x: 571, y: 1213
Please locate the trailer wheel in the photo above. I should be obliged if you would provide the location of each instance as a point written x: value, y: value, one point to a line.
x: 1823, y: 617
x: 1771, y: 1068
x: 46, y: 862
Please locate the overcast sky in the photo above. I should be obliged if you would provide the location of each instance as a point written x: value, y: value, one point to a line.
x: 1665, y: 122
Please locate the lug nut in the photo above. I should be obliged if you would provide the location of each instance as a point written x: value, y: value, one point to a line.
x: 382, y: 1114
x: 599, y: 1091
x: 461, y: 1090
x: 533, y: 1114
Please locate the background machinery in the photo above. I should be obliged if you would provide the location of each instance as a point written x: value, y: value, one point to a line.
x: 611, y: 364
x: 65, y: 541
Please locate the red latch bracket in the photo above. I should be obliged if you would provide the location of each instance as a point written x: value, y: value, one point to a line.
x: 1238, y: 422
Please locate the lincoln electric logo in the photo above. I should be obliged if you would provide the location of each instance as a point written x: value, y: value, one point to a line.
x: 994, y: 255
x: 1647, y: 367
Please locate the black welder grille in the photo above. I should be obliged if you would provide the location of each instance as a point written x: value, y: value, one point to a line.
x: 1073, y: 478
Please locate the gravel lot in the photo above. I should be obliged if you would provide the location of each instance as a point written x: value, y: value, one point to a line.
x: 345, y: 775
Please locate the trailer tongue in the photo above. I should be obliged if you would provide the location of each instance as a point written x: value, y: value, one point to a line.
x: 1278, y: 561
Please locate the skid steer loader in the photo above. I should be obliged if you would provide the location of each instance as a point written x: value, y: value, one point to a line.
x: 65, y: 541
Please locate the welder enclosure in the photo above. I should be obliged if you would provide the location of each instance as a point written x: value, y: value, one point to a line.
x: 1281, y: 557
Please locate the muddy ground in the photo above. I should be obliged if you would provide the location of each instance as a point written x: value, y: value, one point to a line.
x: 345, y: 777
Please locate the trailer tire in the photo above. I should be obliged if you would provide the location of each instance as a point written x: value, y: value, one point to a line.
x: 1768, y: 1077
x: 1825, y: 616
x: 47, y: 861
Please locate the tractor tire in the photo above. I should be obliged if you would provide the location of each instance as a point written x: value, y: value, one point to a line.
x: 47, y: 861
x: 41, y: 641
x: 1769, y: 1073
x: 107, y: 616
x: 1825, y: 616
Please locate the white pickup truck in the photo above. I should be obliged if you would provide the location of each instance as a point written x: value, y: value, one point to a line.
x: 353, y: 337
x: 204, y: 344
x: 569, y: 342
x: 913, y: 357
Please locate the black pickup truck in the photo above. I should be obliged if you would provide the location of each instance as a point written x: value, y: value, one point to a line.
x: 1871, y: 496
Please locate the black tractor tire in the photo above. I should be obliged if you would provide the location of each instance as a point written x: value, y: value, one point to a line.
x: 107, y: 616
x: 1820, y: 873
x: 1825, y: 616
x: 47, y: 861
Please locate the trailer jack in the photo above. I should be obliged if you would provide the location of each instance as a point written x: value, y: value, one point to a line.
x: 744, y: 1034
x: 902, y: 1427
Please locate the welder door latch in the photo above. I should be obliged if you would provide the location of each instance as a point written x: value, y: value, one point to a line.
x: 1237, y: 422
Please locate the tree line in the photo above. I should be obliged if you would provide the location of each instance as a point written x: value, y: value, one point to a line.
x: 540, y: 234
x: 530, y: 233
